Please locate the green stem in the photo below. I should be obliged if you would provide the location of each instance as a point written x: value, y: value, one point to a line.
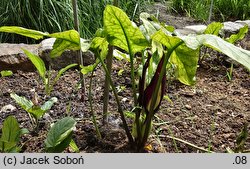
x: 115, y: 3
x: 130, y: 138
x: 79, y: 53
x: 132, y: 69
x: 91, y: 108
x: 107, y: 85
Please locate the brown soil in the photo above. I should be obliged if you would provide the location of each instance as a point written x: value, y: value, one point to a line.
x: 211, y: 113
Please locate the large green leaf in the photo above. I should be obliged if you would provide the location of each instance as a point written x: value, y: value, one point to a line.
x: 38, y: 63
x: 10, y: 134
x: 238, y: 54
x: 239, y: 36
x: 68, y: 40
x: 122, y: 32
x: 184, y: 58
x: 149, y: 27
x: 59, y: 135
x: 24, y: 32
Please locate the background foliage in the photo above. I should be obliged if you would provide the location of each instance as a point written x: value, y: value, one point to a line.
x: 57, y: 15
x: 222, y: 9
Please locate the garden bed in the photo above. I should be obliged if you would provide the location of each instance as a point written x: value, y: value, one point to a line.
x: 211, y: 113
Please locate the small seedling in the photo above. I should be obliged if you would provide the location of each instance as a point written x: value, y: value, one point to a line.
x: 34, y: 109
x: 11, y: 133
x: 241, y: 139
x: 230, y: 73
x: 44, y: 73
x: 5, y: 73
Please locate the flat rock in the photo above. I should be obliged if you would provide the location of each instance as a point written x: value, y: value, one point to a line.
x: 232, y: 27
x: 199, y: 29
x: 7, y: 108
x: 184, y: 32
x: 12, y: 56
x: 68, y: 57
x: 246, y: 22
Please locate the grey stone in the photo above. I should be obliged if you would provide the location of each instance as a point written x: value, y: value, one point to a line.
x: 199, y: 29
x: 232, y: 27
x: 246, y: 22
x: 183, y: 32
x: 8, y: 108
x: 12, y: 56
x: 68, y: 57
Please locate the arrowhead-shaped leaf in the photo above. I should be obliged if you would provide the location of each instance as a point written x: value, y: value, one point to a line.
x: 22, y: 101
x: 121, y: 31
x: 184, y: 58
x: 24, y: 32
x: 238, y: 54
x: 38, y: 111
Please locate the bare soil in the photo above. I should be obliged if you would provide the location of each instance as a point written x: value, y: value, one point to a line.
x: 209, y: 114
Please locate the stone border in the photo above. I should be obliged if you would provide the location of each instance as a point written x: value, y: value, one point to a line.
x: 13, y: 58
x: 229, y: 27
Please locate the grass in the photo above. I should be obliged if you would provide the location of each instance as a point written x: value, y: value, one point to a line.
x: 57, y: 15
x: 222, y: 9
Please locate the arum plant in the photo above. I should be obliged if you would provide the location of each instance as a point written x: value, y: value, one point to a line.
x: 35, y: 111
x: 67, y: 40
x: 180, y: 51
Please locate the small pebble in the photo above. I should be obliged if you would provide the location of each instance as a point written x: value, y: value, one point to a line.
x: 188, y: 107
x: 8, y: 108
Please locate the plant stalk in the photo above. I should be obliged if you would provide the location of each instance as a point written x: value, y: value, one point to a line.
x: 91, y: 108
x: 210, y: 11
x: 79, y: 53
x: 107, y: 85
x: 130, y: 138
